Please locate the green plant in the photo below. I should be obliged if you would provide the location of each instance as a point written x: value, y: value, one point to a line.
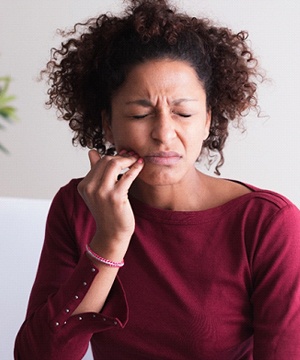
x: 7, y: 112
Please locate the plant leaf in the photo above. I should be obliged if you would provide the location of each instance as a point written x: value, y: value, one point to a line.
x: 8, y: 112
x: 3, y: 149
x: 5, y: 99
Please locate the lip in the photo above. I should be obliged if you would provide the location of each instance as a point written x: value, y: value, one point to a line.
x: 163, y: 158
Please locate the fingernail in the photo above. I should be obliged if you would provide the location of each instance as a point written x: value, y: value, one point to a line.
x: 140, y: 161
x: 122, y: 152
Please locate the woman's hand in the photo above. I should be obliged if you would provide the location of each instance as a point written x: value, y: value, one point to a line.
x: 107, y: 199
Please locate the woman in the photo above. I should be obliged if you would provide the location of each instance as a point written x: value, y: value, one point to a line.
x: 211, y: 266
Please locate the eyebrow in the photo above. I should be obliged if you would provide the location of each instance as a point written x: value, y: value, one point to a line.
x: 142, y: 102
x: 147, y: 103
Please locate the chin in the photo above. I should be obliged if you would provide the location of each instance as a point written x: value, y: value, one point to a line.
x: 160, y: 177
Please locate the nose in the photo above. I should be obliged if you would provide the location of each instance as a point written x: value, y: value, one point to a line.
x: 163, y: 129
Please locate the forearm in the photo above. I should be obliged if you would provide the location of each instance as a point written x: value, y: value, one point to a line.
x: 98, y: 291
x: 52, y: 332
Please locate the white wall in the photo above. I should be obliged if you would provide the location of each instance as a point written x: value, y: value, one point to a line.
x: 19, y: 219
x: 42, y: 157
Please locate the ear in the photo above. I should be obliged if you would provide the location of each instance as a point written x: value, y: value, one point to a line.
x: 106, y: 125
x: 207, y: 124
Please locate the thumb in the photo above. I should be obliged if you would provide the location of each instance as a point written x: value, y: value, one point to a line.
x: 94, y: 157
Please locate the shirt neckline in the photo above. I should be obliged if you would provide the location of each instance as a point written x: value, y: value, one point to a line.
x: 146, y: 211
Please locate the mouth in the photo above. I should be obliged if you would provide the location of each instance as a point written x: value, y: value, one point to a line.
x: 166, y: 158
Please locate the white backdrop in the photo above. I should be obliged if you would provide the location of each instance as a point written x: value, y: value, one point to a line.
x: 41, y: 155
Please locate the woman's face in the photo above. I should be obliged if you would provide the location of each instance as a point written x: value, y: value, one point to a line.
x: 160, y: 114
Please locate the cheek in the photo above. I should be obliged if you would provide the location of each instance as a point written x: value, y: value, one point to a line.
x: 124, y: 140
x: 196, y: 140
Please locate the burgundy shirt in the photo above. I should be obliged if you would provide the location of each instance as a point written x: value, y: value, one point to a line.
x: 219, y: 284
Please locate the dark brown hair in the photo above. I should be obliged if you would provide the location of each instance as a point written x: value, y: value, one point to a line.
x: 93, y: 63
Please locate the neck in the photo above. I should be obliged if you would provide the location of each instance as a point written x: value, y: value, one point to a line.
x: 188, y: 195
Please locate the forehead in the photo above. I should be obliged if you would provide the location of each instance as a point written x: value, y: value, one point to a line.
x: 163, y: 76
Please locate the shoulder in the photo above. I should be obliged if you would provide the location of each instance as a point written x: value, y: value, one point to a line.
x: 237, y: 193
x: 254, y: 208
x: 71, y: 186
x: 68, y: 200
x: 269, y: 197
x: 268, y: 203
x: 267, y: 209
x: 68, y: 193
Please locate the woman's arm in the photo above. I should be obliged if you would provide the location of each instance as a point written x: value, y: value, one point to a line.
x: 70, y: 289
x: 107, y: 199
x: 276, y: 281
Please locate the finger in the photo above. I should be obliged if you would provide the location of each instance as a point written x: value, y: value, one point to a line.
x: 114, y: 168
x: 93, y: 177
x: 94, y: 157
x: 105, y: 173
x: 127, y: 178
x: 98, y: 165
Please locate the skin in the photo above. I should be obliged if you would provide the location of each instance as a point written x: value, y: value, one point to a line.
x: 158, y: 123
x: 160, y: 113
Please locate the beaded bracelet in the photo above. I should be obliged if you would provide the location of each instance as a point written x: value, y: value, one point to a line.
x: 103, y: 260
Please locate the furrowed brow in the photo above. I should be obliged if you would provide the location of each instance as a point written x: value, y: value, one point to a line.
x: 141, y: 102
x: 179, y: 101
x: 147, y: 103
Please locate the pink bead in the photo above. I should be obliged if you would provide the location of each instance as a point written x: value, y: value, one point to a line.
x: 103, y: 260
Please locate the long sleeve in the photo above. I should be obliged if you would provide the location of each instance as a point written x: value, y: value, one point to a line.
x: 64, y: 276
x: 276, y: 288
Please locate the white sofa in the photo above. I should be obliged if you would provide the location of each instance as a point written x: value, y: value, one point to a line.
x: 22, y: 223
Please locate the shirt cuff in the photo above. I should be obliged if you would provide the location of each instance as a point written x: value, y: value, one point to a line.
x: 69, y: 296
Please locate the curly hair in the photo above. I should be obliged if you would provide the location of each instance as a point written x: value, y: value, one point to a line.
x: 94, y: 62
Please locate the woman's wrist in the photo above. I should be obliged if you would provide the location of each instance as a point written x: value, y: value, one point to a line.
x: 108, y: 249
x: 97, y: 257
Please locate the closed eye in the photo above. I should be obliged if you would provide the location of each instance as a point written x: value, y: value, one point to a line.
x: 185, y: 115
x: 145, y: 115
x: 139, y: 116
